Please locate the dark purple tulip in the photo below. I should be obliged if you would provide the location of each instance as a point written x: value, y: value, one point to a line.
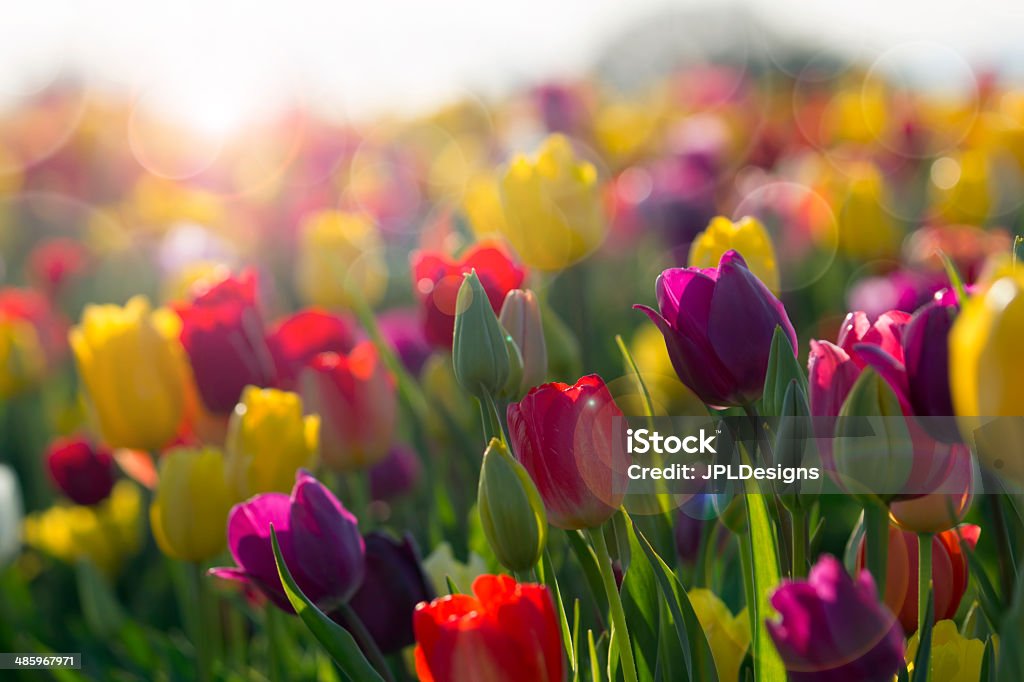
x: 834, y: 628
x: 718, y: 325
x: 926, y: 355
x: 394, y: 584
x: 319, y: 540
x: 396, y: 474
x: 403, y: 330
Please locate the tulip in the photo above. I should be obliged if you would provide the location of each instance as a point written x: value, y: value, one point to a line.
x: 268, y: 441
x: 939, y: 511
x: 298, y: 338
x: 986, y: 377
x: 402, y: 330
x: 482, y: 206
x: 437, y: 280
x: 718, y: 326
x: 563, y: 436
x: 953, y: 657
x: 746, y: 236
x: 355, y: 397
x: 30, y: 306
x: 319, y: 540
x: 521, y: 318
x: 504, y: 632
x: 511, y: 511
x: 395, y: 475
x: 22, y: 359
x: 11, y: 512
x: 728, y: 635
x: 393, y: 585
x: 339, y: 257
x: 833, y: 628
x: 130, y: 361
x: 480, y: 353
x: 949, y: 572
x: 105, y: 534
x: 84, y: 473
x: 552, y: 206
x: 961, y: 188
x: 191, y: 504
x: 222, y: 332
x: 442, y: 567
x: 866, y: 228
x: 54, y: 263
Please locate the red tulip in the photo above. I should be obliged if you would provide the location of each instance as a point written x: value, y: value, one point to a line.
x: 31, y: 306
x: 562, y: 435
x: 84, y: 473
x: 949, y: 572
x: 222, y: 331
x: 355, y: 397
x: 437, y: 279
x: 297, y: 339
x: 505, y: 632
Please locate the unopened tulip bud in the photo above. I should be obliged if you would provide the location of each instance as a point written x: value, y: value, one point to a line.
x: 511, y: 511
x: 479, y: 352
x: 793, y: 441
x: 521, y: 318
x: 783, y: 369
x: 511, y: 390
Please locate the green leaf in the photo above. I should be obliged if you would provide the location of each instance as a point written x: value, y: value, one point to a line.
x: 988, y: 596
x: 955, y: 280
x: 585, y: 556
x: 595, y: 667
x: 102, y: 611
x: 922, y: 661
x: 334, y: 638
x: 698, y: 663
x: 989, y: 670
x: 640, y: 601
x: 768, y: 666
x: 783, y: 367
x: 1011, y: 654
x: 550, y: 579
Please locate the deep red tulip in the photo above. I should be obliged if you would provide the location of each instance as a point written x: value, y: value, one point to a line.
x: 355, y: 397
x: 297, y: 339
x: 84, y: 473
x: 718, y: 325
x: 395, y: 475
x: 437, y: 278
x: 949, y: 572
x: 222, y: 332
x: 505, y: 632
x: 563, y: 436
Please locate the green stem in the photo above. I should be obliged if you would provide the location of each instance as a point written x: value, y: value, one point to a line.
x: 365, y: 641
x: 876, y: 539
x: 275, y: 642
x: 747, y: 566
x: 924, y: 576
x: 798, y: 523
x: 202, y: 632
x: 491, y: 418
x: 618, y: 616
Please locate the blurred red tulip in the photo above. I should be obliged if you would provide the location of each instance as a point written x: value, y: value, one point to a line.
x: 297, y: 339
x: 84, y: 473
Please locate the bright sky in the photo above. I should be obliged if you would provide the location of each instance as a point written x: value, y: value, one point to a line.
x: 211, y: 59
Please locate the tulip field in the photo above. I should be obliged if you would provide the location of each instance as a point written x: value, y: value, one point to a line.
x: 377, y: 400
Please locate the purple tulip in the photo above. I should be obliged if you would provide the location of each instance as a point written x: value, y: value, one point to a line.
x: 319, y: 540
x: 394, y: 584
x: 403, y: 330
x: 396, y: 475
x: 834, y: 628
x: 718, y: 325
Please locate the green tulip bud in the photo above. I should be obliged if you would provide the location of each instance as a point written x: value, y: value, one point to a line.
x: 512, y: 389
x: 511, y: 510
x: 479, y: 350
x: 794, y: 443
x: 783, y: 368
x: 521, y: 318
x: 873, y: 452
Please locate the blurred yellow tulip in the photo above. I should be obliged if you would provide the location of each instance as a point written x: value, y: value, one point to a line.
x: 268, y: 440
x: 482, y: 206
x: 728, y: 635
x: 190, y: 510
x: 954, y: 658
x: 961, y: 190
x: 747, y: 236
x: 339, y: 254
x: 22, y: 359
x: 866, y: 228
x: 130, y: 359
x: 986, y: 375
x: 105, y: 534
x: 554, y: 215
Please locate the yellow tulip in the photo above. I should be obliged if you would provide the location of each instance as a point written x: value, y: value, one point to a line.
x: 130, y: 362
x: 442, y: 565
x: 954, y: 658
x: 748, y: 237
x: 961, y: 190
x: 482, y: 206
x: 986, y: 375
x: 268, y: 441
x: 190, y: 511
x: 866, y: 228
x: 728, y: 635
x: 339, y: 254
x: 22, y: 359
x: 105, y: 534
x: 553, y: 211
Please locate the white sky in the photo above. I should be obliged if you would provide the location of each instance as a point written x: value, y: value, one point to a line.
x: 214, y: 58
